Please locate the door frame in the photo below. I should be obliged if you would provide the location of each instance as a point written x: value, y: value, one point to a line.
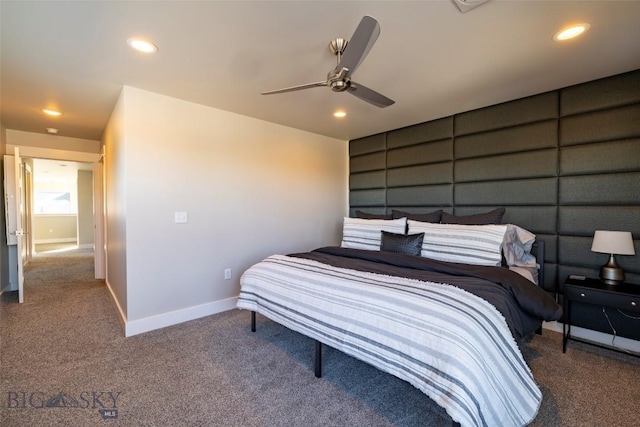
x: 13, y: 218
x: 83, y: 157
x: 27, y: 199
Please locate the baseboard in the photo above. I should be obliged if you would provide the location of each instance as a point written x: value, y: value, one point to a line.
x: 60, y: 240
x: 140, y: 326
x: 135, y: 327
x: 595, y: 336
x: 123, y: 317
x: 86, y: 246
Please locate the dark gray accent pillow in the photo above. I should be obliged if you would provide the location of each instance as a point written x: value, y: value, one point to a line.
x: 365, y: 215
x: 409, y: 244
x: 491, y: 217
x: 424, y: 217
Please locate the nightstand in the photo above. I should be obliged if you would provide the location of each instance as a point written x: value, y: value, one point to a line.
x: 624, y: 296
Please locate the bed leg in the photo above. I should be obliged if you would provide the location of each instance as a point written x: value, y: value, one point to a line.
x: 318, y: 360
x: 253, y: 321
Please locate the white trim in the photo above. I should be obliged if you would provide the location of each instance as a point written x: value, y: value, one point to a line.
x: 59, y: 240
x: 163, y: 320
x: 86, y: 246
x: 123, y: 317
x: 595, y: 336
x: 54, y: 154
x: 50, y: 215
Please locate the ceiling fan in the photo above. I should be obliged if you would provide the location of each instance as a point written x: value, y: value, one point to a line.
x: 349, y: 55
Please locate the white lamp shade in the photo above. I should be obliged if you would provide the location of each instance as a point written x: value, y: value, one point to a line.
x: 613, y: 242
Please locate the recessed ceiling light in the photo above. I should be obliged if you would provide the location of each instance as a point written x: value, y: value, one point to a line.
x: 142, y: 45
x: 339, y: 114
x: 571, y: 32
x: 51, y: 112
x: 52, y: 130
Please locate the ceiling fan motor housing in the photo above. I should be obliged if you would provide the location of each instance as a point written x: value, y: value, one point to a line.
x: 340, y: 85
x: 338, y: 80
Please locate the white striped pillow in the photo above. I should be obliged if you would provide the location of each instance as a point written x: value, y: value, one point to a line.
x: 360, y: 233
x: 469, y: 244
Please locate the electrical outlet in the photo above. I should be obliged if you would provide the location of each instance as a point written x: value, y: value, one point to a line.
x: 227, y: 273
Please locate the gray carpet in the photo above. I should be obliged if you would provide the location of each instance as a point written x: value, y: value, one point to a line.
x: 64, y: 347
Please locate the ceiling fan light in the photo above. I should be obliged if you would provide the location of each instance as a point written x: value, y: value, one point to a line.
x: 571, y: 32
x: 51, y: 112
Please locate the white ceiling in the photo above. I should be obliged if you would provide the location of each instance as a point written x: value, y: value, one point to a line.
x: 58, y: 171
x: 430, y: 58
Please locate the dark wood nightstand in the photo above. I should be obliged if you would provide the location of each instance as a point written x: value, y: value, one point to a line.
x: 624, y: 296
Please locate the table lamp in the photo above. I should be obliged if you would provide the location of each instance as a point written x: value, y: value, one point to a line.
x: 612, y: 243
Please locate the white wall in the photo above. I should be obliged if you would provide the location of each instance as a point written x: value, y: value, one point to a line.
x: 251, y: 189
x: 55, y: 228
x: 115, y: 194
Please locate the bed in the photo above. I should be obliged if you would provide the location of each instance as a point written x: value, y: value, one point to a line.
x: 395, y: 295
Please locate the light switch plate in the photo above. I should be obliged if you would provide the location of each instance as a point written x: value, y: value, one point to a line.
x: 181, y: 217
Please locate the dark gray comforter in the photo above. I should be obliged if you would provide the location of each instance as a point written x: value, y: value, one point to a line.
x: 523, y: 304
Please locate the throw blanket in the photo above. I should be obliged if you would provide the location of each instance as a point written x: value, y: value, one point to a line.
x: 447, y: 342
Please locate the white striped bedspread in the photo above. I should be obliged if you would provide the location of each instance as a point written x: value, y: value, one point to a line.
x: 452, y: 345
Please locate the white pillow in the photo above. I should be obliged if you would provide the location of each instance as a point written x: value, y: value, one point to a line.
x: 360, y: 233
x: 517, y: 247
x: 468, y: 244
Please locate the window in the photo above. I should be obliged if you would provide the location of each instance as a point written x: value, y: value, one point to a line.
x: 53, y: 202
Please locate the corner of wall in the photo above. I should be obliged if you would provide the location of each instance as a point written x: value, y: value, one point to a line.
x: 147, y: 324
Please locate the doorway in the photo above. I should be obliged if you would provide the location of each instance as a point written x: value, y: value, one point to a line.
x: 58, y: 210
x: 62, y: 208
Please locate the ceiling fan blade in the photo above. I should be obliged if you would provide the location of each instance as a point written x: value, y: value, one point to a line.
x: 294, y: 88
x: 360, y: 44
x: 369, y: 95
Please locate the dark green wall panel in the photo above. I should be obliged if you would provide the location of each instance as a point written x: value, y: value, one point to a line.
x: 530, y: 164
x: 431, y: 152
x: 605, y: 125
x: 368, y: 162
x: 505, y: 193
x: 584, y: 220
x: 367, y: 180
x: 521, y: 111
x: 369, y: 144
x: 510, y: 140
x: 606, y: 157
x: 424, y: 132
x: 361, y: 198
x: 435, y: 173
x: 605, y: 93
x: 431, y: 195
x: 611, y: 189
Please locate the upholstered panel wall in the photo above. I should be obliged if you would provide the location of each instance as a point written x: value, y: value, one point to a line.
x: 563, y: 164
